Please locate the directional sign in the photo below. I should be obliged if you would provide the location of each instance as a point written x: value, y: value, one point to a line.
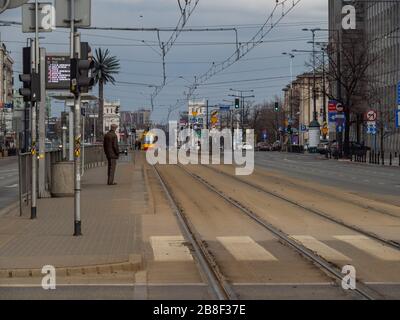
x: 371, y: 127
x: 332, y: 116
x: 224, y: 107
x: 398, y: 95
x: 82, y: 13
x: 46, y: 17
x: 371, y: 115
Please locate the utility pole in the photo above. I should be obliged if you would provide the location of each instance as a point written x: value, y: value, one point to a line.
x: 75, y: 46
x: 33, y: 118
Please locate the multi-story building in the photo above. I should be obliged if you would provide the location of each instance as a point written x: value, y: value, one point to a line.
x: 139, y: 119
x: 378, y: 28
x: 112, y: 115
x: 299, y: 102
x: 6, y: 94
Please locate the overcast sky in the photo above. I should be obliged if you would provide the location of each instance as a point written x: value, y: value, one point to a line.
x: 193, y: 53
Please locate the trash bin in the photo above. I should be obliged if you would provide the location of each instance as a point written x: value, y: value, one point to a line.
x: 62, y: 179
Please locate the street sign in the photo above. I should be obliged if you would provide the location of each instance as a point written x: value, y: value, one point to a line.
x: 224, y: 107
x: 332, y: 106
x: 339, y: 107
x: 46, y: 17
x: 58, y: 71
x: 332, y: 116
x: 371, y: 115
x: 82, y: 13
x: 371, y: 127
x: 303, y: 128
x: 398, y: 95
x: 398, y: 119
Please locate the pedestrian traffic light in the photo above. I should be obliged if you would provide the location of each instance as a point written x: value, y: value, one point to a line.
x: 276, y: 106
x: 81, y: 77
x: 237, y: 103
x: 30, y: 80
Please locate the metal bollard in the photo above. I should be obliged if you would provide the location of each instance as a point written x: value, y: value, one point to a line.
x: 390, y: 159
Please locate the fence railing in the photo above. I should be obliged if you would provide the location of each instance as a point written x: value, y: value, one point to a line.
x: 378, y: 158
x: 93, y: 156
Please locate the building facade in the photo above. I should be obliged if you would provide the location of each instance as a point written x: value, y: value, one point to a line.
x: 298, y: 101
x: 112, y: 116
x: 378, y: 27
x: 6, y: 97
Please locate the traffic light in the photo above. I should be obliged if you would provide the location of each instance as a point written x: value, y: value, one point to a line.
x: 81, y: 77
x: 289, y: 129
x: 237, y: 103
x: 29, y: 79
x: 276, y: 106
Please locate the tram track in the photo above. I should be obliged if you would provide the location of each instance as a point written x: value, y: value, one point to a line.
x: 361, y: 289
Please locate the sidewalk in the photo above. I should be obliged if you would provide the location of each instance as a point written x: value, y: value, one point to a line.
x: 110, y: 226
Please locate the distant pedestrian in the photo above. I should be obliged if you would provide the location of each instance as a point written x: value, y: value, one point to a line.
x: 111, y: 150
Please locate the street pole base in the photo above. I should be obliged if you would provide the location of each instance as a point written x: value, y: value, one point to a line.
x: 77, y: 229
x: 33, y: 213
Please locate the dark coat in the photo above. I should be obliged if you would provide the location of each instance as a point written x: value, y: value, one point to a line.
x: 111, y: 148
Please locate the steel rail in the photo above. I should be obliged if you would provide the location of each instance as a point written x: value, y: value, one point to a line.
x: 208, y: 266
x: 361, y: 289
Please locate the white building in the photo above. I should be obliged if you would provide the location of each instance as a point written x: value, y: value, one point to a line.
x: 112, y: 116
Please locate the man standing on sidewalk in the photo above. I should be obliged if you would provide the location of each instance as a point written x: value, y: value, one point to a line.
x: 111, y: 150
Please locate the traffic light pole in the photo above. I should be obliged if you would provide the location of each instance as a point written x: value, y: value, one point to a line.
x: 34, y: 105
x: 75, y: 53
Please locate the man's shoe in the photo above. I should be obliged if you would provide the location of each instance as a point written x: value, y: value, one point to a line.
x: 112, y: 184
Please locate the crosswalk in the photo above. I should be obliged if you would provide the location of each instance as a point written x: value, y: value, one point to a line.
x: 244, y: 248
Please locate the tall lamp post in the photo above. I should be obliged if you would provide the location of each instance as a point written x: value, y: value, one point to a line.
x: 290, y: 121
x: 315, y: 127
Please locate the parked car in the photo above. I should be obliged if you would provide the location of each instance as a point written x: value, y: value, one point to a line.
x: 263, y: 146
x: 245, y: 146
x: 355, y: 149
x: 277, y: 146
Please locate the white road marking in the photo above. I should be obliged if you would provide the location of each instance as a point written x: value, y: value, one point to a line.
x: 371, y: 247
x: 170, y: 248
x: 245, y: 249
x: 321, y: 248
x: 12, y: 186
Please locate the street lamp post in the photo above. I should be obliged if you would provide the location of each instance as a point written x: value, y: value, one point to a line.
x: 291, y: 56
x: 315, y: 128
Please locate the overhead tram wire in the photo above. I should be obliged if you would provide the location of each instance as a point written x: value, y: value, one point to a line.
x: 246, y: 47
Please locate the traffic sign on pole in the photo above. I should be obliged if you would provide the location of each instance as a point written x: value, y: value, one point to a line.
x: 371, y: 115
x: 398, y: 119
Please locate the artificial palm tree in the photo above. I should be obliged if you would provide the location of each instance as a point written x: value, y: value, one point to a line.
x: 105, y: 67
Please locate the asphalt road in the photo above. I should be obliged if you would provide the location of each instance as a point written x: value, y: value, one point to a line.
x: 354, y: 177
x: 8, y: 181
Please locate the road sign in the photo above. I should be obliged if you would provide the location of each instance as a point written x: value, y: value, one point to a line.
x: 398, y: 94
x: 82, y: 13
x: 332, y: 116
x: 339, y: 107
x: 371, y: 115
x: 397, y: 119
x: 371, y: 127
x: 303, y: 128
x: 58, y: 72
x: 224, y: 107
x: 332, y: 106
x: 46, y: 17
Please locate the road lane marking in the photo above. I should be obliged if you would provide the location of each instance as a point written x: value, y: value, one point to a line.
x: 321, y: 248
x: 245, y: 249
x: 170, y: 248
x: 12, y: 186
x: 371, y: 247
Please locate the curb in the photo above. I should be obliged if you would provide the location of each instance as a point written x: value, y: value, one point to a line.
x: 9, y: 208
x: 134, y: 264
